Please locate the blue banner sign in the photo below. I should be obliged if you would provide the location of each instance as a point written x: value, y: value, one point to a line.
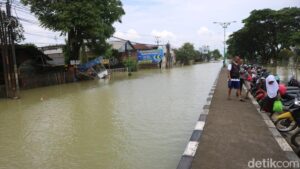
x: 150, y: 56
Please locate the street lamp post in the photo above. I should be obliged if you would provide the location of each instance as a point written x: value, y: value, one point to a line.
x: 224, y: 26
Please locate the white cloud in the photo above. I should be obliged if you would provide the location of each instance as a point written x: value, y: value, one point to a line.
x: 209, y: 37
x: 183, y: 18
x: 204, y: 31
x: 40, y: 36
x: 131, y: 34
x: 177, y: 21
x: 163, y: 34
x: 212, y: 38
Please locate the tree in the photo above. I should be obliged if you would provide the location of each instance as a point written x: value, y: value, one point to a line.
x: 216, y: 54
x: 82, y: 21
x: 285, y: 55
x: 199, y: 56
x: 111, y: 53
x: 185, y: 53
x: 265, y: 33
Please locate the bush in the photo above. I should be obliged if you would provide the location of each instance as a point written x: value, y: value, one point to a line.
x: 131, y: 64
x: 186, y: 53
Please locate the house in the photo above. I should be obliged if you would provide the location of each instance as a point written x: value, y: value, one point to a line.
x: 125, y: 49
x: 140, y: 46
x: 55, y: 52
x: 29, y: 60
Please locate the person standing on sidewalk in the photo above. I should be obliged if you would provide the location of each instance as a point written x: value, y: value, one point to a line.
x: 234, y: 77
x: 248, y: 80
x: 242, y: 75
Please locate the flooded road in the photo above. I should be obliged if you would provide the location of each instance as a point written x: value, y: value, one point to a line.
x: 141, y: 122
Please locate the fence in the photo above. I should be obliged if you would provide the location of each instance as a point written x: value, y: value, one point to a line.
x: 50, y: 78
x: 2, y: 91
x: 111, y: 71
x: 46, y: 79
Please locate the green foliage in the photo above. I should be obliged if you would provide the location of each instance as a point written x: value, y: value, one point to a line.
x: 297, y: 50
x: 285, y: 54
x: 199, y: 56
x: 216, y: 55
x: 131, y: 64
x: 31, y: 49
x: 265, y: 33
x: 185, y: 53
x: 83, y: 21
x: 67, y: 54
x: 111, y: 53
x: 296, y: 38
x: 108, y: 53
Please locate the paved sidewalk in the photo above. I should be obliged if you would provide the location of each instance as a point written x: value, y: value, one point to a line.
x: 234, y: 134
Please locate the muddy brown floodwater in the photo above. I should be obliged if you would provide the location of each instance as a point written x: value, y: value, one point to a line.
x: 138, y: 122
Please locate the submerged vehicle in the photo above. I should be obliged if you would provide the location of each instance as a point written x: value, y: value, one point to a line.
x: 93, y: 69
x: 103, y: 74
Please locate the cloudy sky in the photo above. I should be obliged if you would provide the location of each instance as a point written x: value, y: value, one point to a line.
x: 174, y: 21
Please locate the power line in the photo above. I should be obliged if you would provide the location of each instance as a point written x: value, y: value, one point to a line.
x: 29, y: 21
x: 143, y: 34
x: 23, y: 10
x: 35, y: 23
x: 50, y: 37
x: 130, y: 40
x: 157, y: 40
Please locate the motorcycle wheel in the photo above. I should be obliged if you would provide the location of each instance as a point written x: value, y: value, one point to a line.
x: 285, y: 125
x: 295, y: 139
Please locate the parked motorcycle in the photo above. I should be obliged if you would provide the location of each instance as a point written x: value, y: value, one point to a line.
x: 295, y: 139
x: 286, y: 122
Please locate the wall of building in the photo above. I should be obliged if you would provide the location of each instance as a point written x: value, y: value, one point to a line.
x: 57, y: 56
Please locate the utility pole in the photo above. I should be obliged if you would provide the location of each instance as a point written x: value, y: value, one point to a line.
x: 4, y: 52
x: 157, y: 40
x: 16, y: 87
x: 168, y: 55
x: 8, y: 53
x: 224, y: 25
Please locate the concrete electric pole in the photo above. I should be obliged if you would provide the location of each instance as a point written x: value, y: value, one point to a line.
x: 224, y: 25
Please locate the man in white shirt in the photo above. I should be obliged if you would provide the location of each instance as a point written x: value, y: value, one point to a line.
x: 234, y: 77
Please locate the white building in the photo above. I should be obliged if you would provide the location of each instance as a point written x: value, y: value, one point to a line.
x: 55, y: 53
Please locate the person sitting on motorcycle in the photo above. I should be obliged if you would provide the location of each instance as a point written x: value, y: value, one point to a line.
x: 272, y: 94
x: 248, y: 81
x: 261, y: 89
x: 293, y: 82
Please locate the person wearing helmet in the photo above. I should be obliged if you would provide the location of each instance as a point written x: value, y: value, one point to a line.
x: 272, y: 94
x: 282, y: 89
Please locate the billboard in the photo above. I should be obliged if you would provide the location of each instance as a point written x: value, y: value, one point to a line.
x: 150, y: 56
